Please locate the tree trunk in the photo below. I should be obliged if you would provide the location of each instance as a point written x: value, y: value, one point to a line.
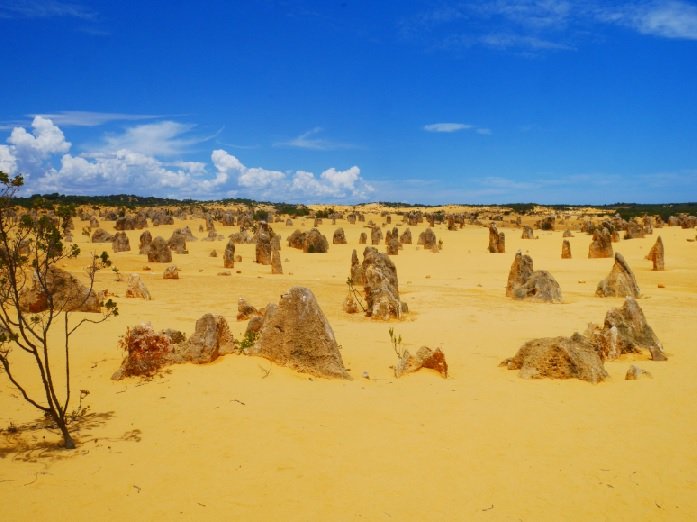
x: 68, y: 442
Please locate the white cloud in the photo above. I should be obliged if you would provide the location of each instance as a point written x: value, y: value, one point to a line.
x: 8, y: 163
x: 666, y: 19
x: 43, y: 9
x: 136, y: 168
x: 45, y: 139
x: 446, y: 127
x: 309, y: 141
x: 163, y: 138
x: 455, y: 127
x: 92, y: 119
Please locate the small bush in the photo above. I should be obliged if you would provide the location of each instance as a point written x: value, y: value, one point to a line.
x: 146, y: 351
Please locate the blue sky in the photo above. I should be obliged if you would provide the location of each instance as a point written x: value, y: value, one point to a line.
x: 329, y: 101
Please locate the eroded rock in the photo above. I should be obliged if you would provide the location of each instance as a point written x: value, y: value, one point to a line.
x: 295, y: 333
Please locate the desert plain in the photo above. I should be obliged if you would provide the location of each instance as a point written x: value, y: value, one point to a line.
x: 242, y: 438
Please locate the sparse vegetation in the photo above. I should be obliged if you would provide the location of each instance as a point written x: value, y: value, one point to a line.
x: 30, y: 250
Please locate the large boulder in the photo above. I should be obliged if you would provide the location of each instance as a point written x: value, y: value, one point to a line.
x: 315, y: 243
x: 527, y: 233
x: 381, y: 285
x: 625, y: 330
x: 66, y: 291
x: 101, y: 236
x: 634, y: 230
x: 295, y: 333
x: 120, y: 243
x: 428, y: 239
x: 159, y: 251
x: 620, y: 282
x: 656, y: 255
x: 177, y: 242
x: 601, y: 246
x: 572, y: 357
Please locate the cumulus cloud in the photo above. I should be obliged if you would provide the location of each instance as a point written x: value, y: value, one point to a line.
x: 132, y: 163
x: 45, y: 139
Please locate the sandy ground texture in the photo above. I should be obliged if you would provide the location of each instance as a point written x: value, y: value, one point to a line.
x: 243, y: 439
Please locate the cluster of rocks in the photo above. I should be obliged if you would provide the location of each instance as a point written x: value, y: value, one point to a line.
x: 625, y: 330
x: 147, y: 351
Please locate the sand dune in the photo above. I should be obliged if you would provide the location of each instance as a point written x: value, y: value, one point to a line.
x: 243, y: 439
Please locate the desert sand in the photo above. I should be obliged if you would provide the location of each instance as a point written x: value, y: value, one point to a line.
x: 244, y: 439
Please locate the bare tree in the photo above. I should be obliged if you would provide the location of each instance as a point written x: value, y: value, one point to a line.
x: 35, y: 296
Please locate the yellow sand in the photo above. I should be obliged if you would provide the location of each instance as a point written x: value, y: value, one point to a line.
x: 242, y: 439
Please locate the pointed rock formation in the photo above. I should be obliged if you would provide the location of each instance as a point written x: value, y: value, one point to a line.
x: 145, y: 242
x: 381, y: 285
x: 626, y: 331
x: 295, y: 333
x: 497, y: 241
x: 120, y: 243
x: 566, y: 249
x: 656, y: 255
x: 363, y: 239
x: 428, y: 239
x: 263, y: 244
x: 527, y: 233
x: 357, y: 276
x: 620, y: 282
x: 229, y: 255
x: 375, y: 235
